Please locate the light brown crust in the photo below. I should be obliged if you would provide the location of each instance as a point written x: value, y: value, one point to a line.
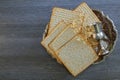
x: 85, y: 6
x: 53, y: 28
x: 57, y: 53
x: 77, y: 14
x: 53, y: 10
x: 88, y: 45
x: 56, y: 9
x: 77, y: 10
x: 51, y: 20
x: 48, y: 49
x: 69, y: 26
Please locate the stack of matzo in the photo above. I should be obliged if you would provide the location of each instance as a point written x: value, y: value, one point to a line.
x: 69, y: 38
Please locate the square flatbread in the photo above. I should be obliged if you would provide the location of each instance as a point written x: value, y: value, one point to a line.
x: 77, y: 55
x: 52, y: 36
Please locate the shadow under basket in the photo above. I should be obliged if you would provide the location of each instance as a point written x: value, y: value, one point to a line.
x: 109, y: 29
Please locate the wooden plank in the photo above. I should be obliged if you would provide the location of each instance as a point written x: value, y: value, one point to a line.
x: 23, y: 58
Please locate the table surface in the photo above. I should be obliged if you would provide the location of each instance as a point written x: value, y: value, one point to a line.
x: 22, y: 57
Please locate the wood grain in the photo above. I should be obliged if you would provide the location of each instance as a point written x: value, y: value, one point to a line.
x: 22, y: 24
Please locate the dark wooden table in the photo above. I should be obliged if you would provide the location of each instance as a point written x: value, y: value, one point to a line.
x: 22, y: 23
